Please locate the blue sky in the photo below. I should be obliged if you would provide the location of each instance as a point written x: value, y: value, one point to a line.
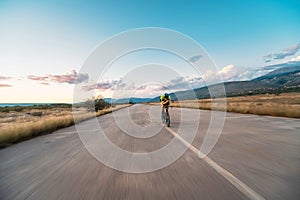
x: 49, y: 40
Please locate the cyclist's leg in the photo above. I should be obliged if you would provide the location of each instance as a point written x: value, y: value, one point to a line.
x: 167, y: 110
x: 162, y: 113
x: 167, y: 116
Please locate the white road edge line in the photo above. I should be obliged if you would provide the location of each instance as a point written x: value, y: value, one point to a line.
x: 242, y: 187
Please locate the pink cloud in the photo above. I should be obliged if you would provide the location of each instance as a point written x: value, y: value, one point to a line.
x: 44, y: 83
x: 105, y: 85
x: 37, y: 78
x: 4, y: 77
x: 5, y: 85
x: 71, y: 78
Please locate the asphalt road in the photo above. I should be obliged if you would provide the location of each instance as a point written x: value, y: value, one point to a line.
x: 256, y: 157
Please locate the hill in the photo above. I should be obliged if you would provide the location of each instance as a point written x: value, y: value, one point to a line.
x: 128, y: 100
x: 278, y: 81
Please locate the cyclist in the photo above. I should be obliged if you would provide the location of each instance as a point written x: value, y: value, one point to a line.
x: 165, y: 102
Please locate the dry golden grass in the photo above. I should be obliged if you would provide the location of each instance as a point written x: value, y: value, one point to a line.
x: 31, y: 126
x: 283, y: 105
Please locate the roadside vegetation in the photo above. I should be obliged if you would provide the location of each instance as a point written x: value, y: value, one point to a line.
x: 18, y: 124
x: 8, y: 109
x: 281, y: 105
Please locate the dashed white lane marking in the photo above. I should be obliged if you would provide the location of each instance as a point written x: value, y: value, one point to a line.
x: 242, y: 187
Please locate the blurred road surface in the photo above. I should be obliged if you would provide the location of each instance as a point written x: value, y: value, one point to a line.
x: 258, y: 153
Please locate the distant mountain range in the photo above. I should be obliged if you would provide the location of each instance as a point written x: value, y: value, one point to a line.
x: 285, y: 79
x: 277, y: 81
x: 128, y: 100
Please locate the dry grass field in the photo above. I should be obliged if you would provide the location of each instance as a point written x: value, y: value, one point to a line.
x: 281, y: 105
x: 18, y: 126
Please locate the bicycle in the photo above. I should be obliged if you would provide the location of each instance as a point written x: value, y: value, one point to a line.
x: 165, y: 117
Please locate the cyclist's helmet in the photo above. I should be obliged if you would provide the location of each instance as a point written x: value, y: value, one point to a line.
x: 166, y: 94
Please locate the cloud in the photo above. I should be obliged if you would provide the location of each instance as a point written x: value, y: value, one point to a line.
x: 195, y: 58
x: 71, y: 78
x: 183, y: 83
x: 5, y: 77
x: 5, y: 85
x: 268, y: 58
x: 121, y: 88
x: 142, y: 87
x: 148, y: 90
x: 105, y: 85
x: 2, y: 78
x: 37, y: 78
x: 292, y: 63
x: 297, y: 58
x: 44, y: 83
x: 287, y: 52
x: 290, y: 51
x: 232, y: 73
x: 227, y: 73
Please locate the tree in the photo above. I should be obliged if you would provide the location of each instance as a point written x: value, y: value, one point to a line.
x: 96, y: 104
